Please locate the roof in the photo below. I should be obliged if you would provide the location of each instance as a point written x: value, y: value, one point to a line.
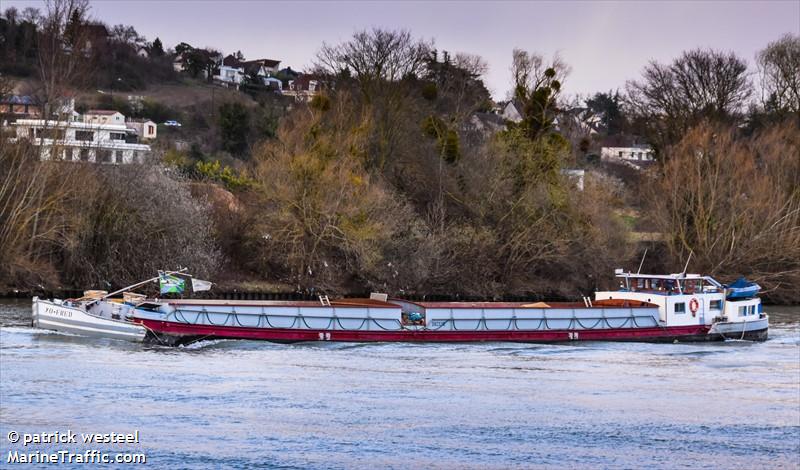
x: 264, y: 62
x: 73, y: 124
x: 231, y: 61
x: 303, y: 82
x: 18, y: 99
x: 102, y: 112
x: 96, y: 29
x: 675, y: 276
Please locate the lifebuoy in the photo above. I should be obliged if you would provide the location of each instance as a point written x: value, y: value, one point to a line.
x: 694, y: 305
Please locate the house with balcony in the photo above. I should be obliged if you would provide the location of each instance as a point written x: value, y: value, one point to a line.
x: 636, y: 154
x: 82, y: 141
x: 304, y: 87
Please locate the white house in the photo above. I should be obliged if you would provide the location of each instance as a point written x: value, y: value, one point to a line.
x: 82, y: 141
x: 634, y: 154
x: 304, y: 87
x: 145, y: 128
x: 103, y: 116
x: 229, y: 75
x: 512, y: 111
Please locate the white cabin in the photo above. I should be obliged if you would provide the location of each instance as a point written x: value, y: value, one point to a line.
x: 685, y: 299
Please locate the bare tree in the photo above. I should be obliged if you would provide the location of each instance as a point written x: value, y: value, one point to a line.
x: 62, y: 48
x: 375, y: 55
x: 734, y: 202
x: 699, y: 84
x: 127, y: 35
x: 779, y: 68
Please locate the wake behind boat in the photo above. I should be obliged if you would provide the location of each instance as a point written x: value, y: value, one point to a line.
x: 675, y: 307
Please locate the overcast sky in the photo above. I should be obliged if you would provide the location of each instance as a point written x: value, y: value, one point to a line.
x: 605, y: 42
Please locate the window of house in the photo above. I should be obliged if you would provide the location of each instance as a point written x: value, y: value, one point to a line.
x: 118, y: 155
x: 84, y: 135
x: 150, y: 129
x: 103, y: 156
x: 680, y: 307
x: 84, y: 154
x: 620, y: 154
x: 117, y: 136
x: 716, y: 305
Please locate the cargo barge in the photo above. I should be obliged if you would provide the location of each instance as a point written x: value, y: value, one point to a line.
x: 675, y: 307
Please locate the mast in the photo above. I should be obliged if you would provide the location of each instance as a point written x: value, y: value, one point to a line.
x: 691, y: 252
x: 642, y: 263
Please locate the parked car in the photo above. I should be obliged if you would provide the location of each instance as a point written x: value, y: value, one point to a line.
x: 172, y: 123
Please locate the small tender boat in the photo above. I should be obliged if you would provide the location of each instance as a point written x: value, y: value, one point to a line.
x: 742, y: 289
x: 675, y: 307
x: 97, y: 313
x: 88, y: 316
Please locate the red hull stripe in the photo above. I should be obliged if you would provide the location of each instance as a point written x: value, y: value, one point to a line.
x: 277, y: 334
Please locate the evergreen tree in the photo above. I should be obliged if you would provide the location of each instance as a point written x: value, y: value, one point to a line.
x: 234, y: 128
x: 157, y: 49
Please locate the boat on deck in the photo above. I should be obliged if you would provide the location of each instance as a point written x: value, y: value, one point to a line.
x: 742, y: 289
x: 89, y: 315
x: 675, y: 307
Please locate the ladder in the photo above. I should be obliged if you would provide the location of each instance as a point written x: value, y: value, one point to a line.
x: 324, y: 300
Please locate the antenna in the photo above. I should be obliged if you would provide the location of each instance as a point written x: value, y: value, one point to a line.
x: 691, y: 252
x: 640, y: 264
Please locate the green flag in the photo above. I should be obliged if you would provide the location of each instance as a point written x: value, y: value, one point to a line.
x: 170, y: 284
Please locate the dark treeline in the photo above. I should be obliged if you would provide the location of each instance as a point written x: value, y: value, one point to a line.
x: 399, y: 177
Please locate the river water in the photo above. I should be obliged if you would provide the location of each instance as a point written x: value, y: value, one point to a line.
x: 239, y: 404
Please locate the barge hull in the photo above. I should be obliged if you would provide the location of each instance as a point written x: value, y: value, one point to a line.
x: 177, y: 333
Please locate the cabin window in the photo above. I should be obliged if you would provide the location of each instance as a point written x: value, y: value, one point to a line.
x: 742, y: 311
x: 84, y: 135
x: 680, y: 307
x: 752, y: 310
x: 50, y: 133
x: 716, y: 305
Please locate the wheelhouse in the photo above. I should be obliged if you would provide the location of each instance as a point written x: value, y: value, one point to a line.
x: 670, y: 284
